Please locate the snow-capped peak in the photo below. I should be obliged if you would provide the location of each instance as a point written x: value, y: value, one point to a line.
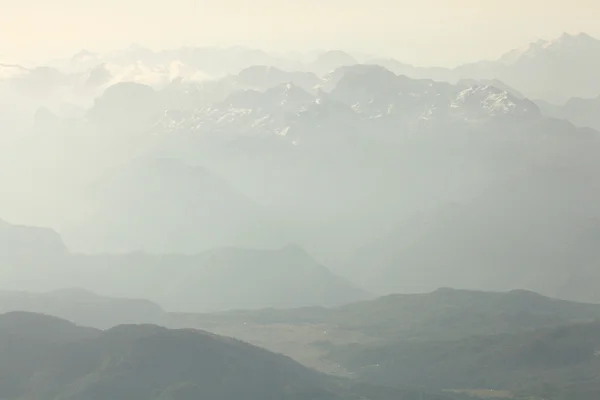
x: 493, y: 101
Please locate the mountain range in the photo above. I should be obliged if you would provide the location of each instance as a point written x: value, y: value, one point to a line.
x: 35, y: 259
x: 567, y: 63
x: 420, y: 233
x: 45, y: 357
x: 554, y: 70
x: 388, y: 180
x: 550, y: 70
x: 462, y: 343
x: 251, y: 164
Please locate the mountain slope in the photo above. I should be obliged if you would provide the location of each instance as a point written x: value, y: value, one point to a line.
x: 557, y: 363
x: 581, y: 112
x: 19, y: 241
x: 554, y: 70
x: 555, y: 255
x: 215, y: 280
x: 28, y: 339
x: 218, y: 280
x: 442, y: 314
x: 287, y: 278
x: 82, y: 307
x: 30, y: 256
x: 330, y: 60
x: 163, y: 205
x: 264, y: 77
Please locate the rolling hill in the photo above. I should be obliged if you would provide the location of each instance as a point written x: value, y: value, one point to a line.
x: 63, y: 361
x: 553, y: 363
x: 82, y: 307
x: 443, y: 314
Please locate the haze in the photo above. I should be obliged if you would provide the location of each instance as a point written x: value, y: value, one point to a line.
x: 379, y: 200
x: 427, y: 32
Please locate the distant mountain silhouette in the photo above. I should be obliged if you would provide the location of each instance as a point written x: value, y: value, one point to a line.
x: 164, y: 205
x: 554, y: 70
x: 579, y: 111
x: 330, y: 60
x: 368, y: 171
x: 216, y: 280
x: 126, y: 106
x: 83, y: 307
x: 260, y: 76
x: 19, y: 241
x: 554, y: 255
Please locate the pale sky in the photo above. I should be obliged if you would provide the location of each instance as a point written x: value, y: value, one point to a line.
x: 423, y: 32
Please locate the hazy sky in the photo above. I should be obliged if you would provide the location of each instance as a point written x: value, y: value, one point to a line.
x: 425, y: 32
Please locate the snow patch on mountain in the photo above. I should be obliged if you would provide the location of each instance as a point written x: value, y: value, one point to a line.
x: 362, y: 95
x: 496, y: 102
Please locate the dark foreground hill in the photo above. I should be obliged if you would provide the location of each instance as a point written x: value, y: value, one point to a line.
x: 557, y: 363
x: 47, y: 358
x: 517, y: 342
